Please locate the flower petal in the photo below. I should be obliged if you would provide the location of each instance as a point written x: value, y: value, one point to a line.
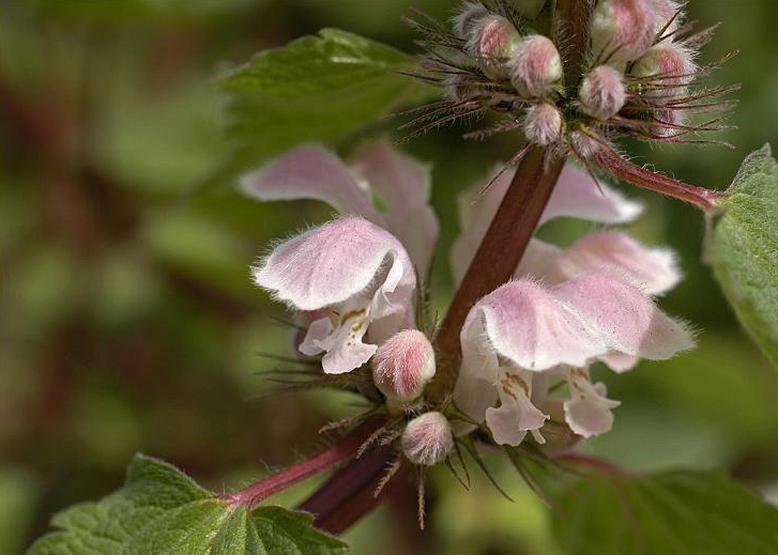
x: 576, y: 195
x: 588, y: 411
x: 539, y: 262
x: 475, y: 390
x: 403, y: 183
x: 654, y: 271
x: 516, y: 415
x: 331, y: 263
x: 626, y: 319
x: 310, y: 172
x: 527, y: 325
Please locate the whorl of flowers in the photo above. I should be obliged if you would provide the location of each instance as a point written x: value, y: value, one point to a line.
x: 638, y: 77
x: 517, y: 364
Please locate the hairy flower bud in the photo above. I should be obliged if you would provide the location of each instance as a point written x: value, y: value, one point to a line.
x: 492, y: 42
x: 466, y: 20
x: 535, y: 66
x: 667, y: 64
x: 602, y: 93
x: 403, y: 365
x: 621, y: 30
x: 543, y: 124
x: 666, y: 11
x: 427, y: 439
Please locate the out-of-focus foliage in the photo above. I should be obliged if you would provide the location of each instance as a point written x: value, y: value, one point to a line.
x: 744, y: 249
x: 127, y: 320
x: 674, y: 512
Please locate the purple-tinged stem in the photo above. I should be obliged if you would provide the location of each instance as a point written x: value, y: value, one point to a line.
x: 344, y: 450
x: 621, y: 168
x: 497, y: 257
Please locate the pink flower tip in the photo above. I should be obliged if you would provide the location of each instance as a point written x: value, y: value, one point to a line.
x: 543, y: 124
x: 535, y: 66
x: 403, y: 365
x: 621, y: 30
x: 492, y: 42
x: 602, y: 93
x: 427, y: 439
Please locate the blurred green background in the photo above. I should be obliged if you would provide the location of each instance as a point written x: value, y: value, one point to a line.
x: 127, y: 319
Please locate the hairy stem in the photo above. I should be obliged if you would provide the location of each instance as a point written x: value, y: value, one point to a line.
x: 497, y: 258
x: 349, y: 494
x: 623, y: 169
x: 570, y: 28
x: 291, y: 475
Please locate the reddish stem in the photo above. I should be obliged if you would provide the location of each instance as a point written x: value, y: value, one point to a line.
x: 343, y: 450
x: 621, y: 168
x: 498, y: 256
x: 349, y: 494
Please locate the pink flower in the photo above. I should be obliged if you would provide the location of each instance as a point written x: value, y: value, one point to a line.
x: 523, y: 329
x: 427, y: 439
x: 378, y: 170
x: 403, y: 365
x: 357, y: 271
x: 576, y: 195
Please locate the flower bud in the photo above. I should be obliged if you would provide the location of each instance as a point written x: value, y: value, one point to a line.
x: 543, y: 124
x: 535, y: 66
x: 492, y: 43
x: 621, y: 30
x: 602, y: 93
x: 403, y: 365
x: 466, y: 20
x: 665, y: 12
x: 670, y: 64
x: 427, y: 439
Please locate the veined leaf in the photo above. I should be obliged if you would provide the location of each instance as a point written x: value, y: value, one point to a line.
x: 161, y: 510
x: 674, y: 513
x: 743, y: 248
x: 317, y: 88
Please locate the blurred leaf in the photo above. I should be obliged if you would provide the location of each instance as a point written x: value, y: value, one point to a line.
x: 161, y: 144
x: 671, y: 513
x: 317, y: 88
x: 720, y: 368
x: 161, y: 510
x: 744, y: 249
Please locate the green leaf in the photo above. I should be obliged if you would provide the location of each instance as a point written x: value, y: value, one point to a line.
x: 671, y: 513
x: 743, y: 248
x: 160, y: 510
x: 317, y: 88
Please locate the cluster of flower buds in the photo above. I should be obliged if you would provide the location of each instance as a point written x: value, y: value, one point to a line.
x: 637, y: 77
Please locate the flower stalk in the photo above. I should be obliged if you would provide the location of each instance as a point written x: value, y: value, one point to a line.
x: 497, y: 257
x: 342, y: 451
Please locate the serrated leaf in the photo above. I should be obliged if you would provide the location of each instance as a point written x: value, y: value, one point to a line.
x: 672, y: 513
x: 317, y: 88
x: 743, y: 249
x: 160, y: 510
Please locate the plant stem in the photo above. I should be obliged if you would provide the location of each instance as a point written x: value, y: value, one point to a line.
x: 343, y: 450
x: 497, y: 258
x: 348, y: 494
x: 570, y: 27
x: 623, y: 169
